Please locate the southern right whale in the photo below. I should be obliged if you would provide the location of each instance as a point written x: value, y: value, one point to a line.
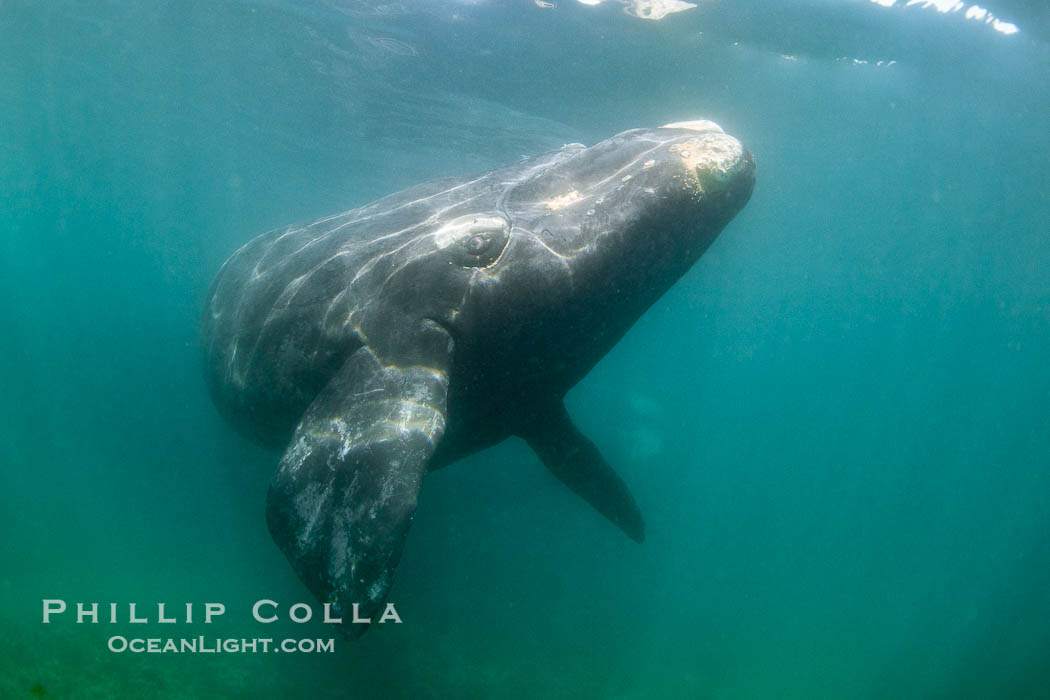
x: 389, y: 340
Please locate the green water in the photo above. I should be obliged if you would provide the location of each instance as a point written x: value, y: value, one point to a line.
x: 836, y: 425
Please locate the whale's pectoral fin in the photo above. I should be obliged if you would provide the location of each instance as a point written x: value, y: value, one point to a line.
x: 576, y: 461
x: 344, y: 495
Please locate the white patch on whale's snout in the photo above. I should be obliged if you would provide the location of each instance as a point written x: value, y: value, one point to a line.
x: 713, y: 159
x: 695, y: 125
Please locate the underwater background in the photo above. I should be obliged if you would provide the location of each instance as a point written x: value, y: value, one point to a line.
x: 837, y: 425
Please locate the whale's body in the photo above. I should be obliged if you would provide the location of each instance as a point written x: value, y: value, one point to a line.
x: 377, y: 344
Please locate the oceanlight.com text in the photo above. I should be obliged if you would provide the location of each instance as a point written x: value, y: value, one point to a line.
x: 218, y: 645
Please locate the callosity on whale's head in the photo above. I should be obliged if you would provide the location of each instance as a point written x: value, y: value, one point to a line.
x: 390, y: 340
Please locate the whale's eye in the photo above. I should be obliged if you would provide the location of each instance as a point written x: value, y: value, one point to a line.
x: 476, y: 240
x: 477, y: 244
x: 481, y: 248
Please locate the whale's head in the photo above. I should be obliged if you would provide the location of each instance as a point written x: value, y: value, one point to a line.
x: 583, y: 240
x: 645, y: 203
